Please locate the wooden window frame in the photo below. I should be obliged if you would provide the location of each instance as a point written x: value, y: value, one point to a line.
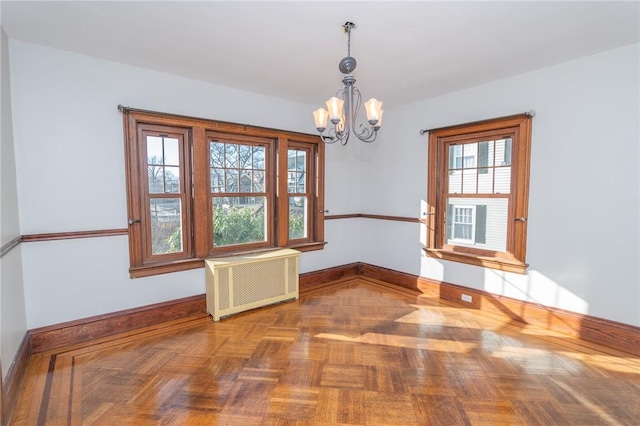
x: 269, y: 192
x: 198, y: 225
x: 313, y: 208
x: 513, y: 258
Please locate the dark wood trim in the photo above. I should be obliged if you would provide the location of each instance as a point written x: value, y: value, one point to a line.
x: 509, y: 265
x: 224, y: 125
x: 73, y: 235
x: 15, y: 376
x: 165, y: 268
x: 393, y: 218
x: 342, y: 216
x: 623, y: 337
x: 52, y: 236
x: 10, y: 245
x: 82, y: 330
x: 311, y: 280
x: 490, y: 123
x: 604, y: 332
x: 373, y: 216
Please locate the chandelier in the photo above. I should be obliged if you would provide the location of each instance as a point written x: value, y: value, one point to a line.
x: 342, y: 109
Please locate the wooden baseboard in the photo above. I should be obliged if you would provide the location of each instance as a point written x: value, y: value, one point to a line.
x: 82, y: 330
x: 597, y: 330
x: 314, y: 279
x: 623, y: 337
x: 15, y: 376
x: 73, y: 332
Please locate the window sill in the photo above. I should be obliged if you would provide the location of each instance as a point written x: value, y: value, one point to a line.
x: 165, y: 268
x: 508, y: 265
x: 307, y: 246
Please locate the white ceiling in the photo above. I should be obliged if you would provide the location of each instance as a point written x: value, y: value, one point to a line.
x: 406, y: 51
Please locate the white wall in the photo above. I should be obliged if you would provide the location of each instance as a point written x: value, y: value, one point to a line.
x: 70, y: 166
x: 13, y: 320
x: 70, y: 177
x: 583, y: 230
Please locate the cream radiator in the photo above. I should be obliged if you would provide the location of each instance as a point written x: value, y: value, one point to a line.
x: 237, y: 284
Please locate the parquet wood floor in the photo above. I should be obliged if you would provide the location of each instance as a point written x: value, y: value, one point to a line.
x: 357, y: 352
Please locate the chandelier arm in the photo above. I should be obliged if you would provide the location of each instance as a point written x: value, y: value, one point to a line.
x: 367, y: 134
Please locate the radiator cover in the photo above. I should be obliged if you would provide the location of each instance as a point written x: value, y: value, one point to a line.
x: 237, y: 284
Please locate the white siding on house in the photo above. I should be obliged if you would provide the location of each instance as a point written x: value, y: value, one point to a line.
x: 496, y: 224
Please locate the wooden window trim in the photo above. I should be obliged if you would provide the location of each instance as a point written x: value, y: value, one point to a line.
x: 199, y: 226
x: 513, y: 260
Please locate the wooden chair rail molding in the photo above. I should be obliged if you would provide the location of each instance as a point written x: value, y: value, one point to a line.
x: 373, y: 216
x: 74, y: 235
x: 615, y: 335
x: 52, y: 236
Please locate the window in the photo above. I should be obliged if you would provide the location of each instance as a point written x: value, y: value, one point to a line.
x: 478, y: 192
x: 199, y: 188
x: 463, y: 224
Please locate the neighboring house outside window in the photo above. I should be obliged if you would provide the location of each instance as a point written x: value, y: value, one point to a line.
x: 200, y: 188
x: 478, y: 190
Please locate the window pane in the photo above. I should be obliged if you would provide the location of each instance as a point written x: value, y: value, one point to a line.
x: 469, y: 181
x: 297, y: 217
x: 217, y: 180
x: 231, y: 180
x: 482, y: 222
x: 231, y: 155
x: 258, y: 181
x: 485, y: 181
x: 246, y: 161
x: 455, y: 156
x: 503, y: 152
x: 455, y: 182
x: 245, y: 181
x: 258, y: 157
x: 470, y: 153
x: 503, y: 180
x: 239, y: 220
x: 216, y: 154
x: 154, y: 150
x: 485, y: 154
x: 171, y: 156
x: 166, y: 225
x: 155, y: 176
x: 172, y: 179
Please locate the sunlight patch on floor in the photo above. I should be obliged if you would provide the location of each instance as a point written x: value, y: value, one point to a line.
x: 438, y: 345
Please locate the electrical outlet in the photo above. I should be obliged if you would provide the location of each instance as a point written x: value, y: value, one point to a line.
x: 466, y: 298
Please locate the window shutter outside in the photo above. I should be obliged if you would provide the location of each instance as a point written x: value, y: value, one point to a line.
x: 483, y: 157
x: 452, y: 158
x: 481, y: 224
x: 449, y: 221
x: 507, y: 152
